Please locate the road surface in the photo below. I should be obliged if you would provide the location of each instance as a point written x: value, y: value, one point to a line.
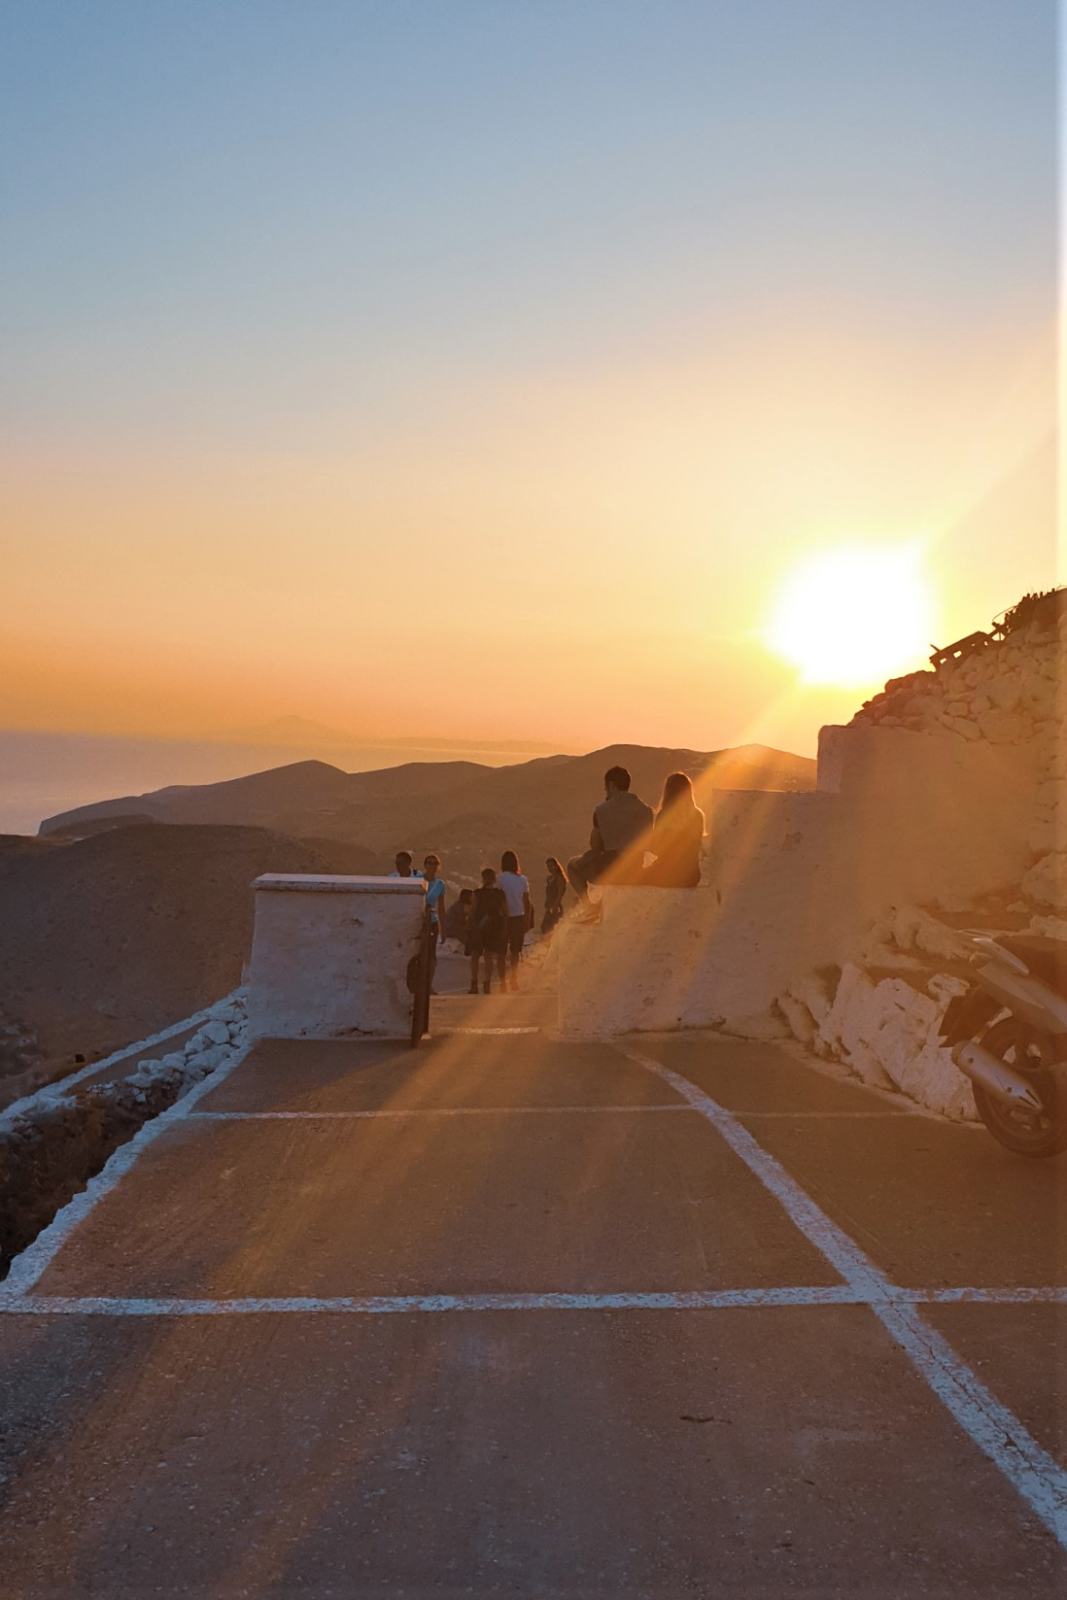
x: 510, y: 1316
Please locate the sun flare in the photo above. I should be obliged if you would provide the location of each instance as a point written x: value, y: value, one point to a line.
x: 855, y: 615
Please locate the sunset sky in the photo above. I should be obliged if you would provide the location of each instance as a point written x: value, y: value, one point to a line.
x: 486, y: 368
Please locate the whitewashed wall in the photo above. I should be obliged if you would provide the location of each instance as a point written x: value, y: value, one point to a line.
x: 819, y: 915
x: 330, y: 955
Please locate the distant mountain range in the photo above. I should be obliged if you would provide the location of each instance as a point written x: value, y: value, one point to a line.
x: 464, y: 810
x: 44, y: 772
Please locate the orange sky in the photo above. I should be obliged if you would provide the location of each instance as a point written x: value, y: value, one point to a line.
x: 488, y: 380
x: 580, y: 558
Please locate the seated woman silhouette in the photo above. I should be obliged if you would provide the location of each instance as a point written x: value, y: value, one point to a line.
x: 677, y: 837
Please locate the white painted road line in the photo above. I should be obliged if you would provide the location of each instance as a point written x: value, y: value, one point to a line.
x: 996, y: 1430
x: 447, y: 1033
x: 432, y: 1111
x: 842, y: 1294
x: 28, y: 1267
x: 1048, y: 1295
x: 822, y: 1116
x: 530, y: 1111
x: 386, y: 1305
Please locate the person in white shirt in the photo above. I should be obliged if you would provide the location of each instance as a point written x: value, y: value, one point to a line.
x: 404, y: 868
x: 516, y: 887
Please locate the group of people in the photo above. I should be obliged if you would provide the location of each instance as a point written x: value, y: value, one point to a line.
x: 492, y: 921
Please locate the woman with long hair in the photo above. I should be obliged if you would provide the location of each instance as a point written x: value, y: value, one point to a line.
x: 555, y: 889
x: 677, y: 837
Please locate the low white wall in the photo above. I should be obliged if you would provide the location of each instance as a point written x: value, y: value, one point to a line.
x: 330, y: 955
x: 792, y: 882
x: 717, y: 955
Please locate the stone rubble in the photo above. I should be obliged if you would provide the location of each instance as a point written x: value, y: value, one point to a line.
x: 213, y: 1043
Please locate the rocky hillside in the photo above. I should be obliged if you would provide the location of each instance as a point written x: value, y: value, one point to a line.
x: 880, y: 1012
x: 1002, y: 686
x: 1005, y: 687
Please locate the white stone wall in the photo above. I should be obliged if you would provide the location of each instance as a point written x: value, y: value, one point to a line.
x: 830, y: 916
x: 330, y: 956
x: 223, y: 1032
x: 793, y: 883
x: 1008, y: 697
x: 998, y: 716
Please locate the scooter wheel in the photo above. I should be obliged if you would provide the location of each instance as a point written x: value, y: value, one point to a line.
x: 1027, y: 1133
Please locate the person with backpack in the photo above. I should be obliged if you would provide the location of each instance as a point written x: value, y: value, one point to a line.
x: 457, y: 918
x: 487, y: 937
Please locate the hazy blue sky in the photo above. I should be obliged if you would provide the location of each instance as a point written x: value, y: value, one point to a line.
x: 251, y: 217
x: 470, y: 286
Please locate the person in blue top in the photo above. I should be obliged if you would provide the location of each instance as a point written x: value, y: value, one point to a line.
x: 435, y: 904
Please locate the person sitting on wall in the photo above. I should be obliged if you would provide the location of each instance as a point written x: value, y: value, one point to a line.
x: 677, y: 837
x: 622, y: 823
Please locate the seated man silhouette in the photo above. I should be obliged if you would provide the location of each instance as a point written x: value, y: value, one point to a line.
x: 621, y: 826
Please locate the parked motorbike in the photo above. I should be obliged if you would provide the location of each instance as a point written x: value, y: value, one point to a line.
x: 1008, y: 1034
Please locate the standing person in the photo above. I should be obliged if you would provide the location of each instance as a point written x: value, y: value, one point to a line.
x: 403, y: 861
x: 677, y: 837
x: 621, y: 825
x: 487, y: 938
x: 516, y: 887
x: 458, y: 917
x: 435, y: 905
x: 555, y: 889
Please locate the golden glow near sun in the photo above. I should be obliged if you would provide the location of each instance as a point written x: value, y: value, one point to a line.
x: 855, y: 616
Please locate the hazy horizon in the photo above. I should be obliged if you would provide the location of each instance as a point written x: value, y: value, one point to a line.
x: 46, y: 772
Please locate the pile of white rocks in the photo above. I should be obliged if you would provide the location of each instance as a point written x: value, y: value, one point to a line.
x: 219, y: 1036
x: 880, y: 1015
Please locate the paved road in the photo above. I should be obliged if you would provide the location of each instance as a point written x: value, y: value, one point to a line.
x: 515, y: 1317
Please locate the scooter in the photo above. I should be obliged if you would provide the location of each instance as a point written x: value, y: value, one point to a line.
x: 1008, y: 1034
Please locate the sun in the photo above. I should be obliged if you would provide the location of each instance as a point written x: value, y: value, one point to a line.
x: 855, y: 615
